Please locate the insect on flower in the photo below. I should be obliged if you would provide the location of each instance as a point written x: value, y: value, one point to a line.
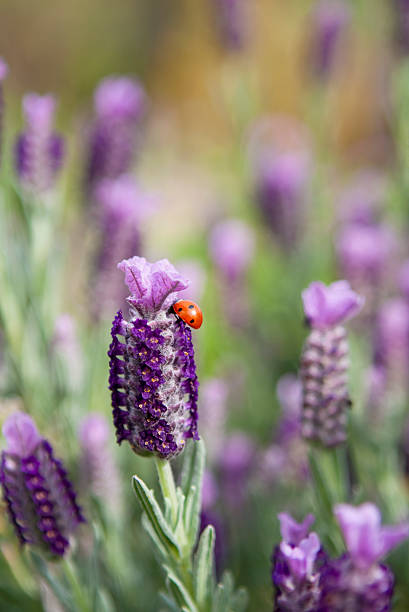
x: 189, y: 312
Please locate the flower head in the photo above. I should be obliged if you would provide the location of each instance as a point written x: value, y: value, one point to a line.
x: 291, y: 531
x: 366, y: 540
x: 39, y: 497
x: 119, y: 98
x: 152, y: 367
x: 328, y: 306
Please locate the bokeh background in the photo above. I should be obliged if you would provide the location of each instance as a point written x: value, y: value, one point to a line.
x: 223, y: 93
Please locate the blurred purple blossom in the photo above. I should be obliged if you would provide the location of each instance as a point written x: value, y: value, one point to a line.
x: 119, y: 105
x: 403, y: 279
x: 213, y: 412
x: 39, y: 150
x: 328, y: 306
x: 231, y: 246
x: 291, y: 531
x: 40, y: 500
x: 357, y: 576
x: 121, y: 206
x: 325, y: 361
x: 153, y: 381
x: 236, y: 466
x: 99, y: 471
x: 392, y: 340
x: 363, y: 198
x: 330, y: 18
x: 195, y: 272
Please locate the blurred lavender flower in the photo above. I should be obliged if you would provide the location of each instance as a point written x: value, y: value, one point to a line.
x: 329, y: 21
x: 357, y: 581
x: 119, y: 103
x: 281, y: 185
x: 297, y: 563
x: 403, y: 279
x: 392, y: 341
x: 324, y: 361
x: 152, y: 366
x: 375, y: 391
x: 236, y: 466
x: 213, y: 411
x: 3, y: 73
x: 364, y: 255
x: 39, y: 150
x: 121, y: 208
x: 361, y: 201
x: 232, y: 22
x: 99, y: 471
x: 39, y: 497
x: 231, y: 246
x: 66, y: 347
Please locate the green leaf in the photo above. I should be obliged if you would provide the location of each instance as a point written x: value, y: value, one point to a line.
x: 192, y: 476
x: 203, y: 568
x: 58, y: 589
x: 179, y: 590
x: 155, y: 516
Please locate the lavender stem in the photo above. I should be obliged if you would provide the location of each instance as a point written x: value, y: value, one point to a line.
x: 167, y: 486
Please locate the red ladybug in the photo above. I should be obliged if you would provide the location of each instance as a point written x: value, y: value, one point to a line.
x: 189, y: 312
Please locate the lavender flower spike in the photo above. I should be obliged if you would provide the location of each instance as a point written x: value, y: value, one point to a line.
x: 330, y: 19
x: 119, y: 103
x: 39, y: 497
x: 297, y: 563
x: 324, y: 361
x: 39, y: 150
x: 357, y: 581
x: 152, y: 366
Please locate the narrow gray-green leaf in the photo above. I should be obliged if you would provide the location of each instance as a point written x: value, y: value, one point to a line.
x: 181, y: 588
x: 192, y: 477
x: 203, y: 566
x: 155, y: 515
x: 58, y: 589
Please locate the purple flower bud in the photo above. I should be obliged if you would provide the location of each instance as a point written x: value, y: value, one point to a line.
x: 297, y: 563
x: 364, y: 253
x: 232, y: 22
x: 357, y: 577
x: 119, y: 104
x: 281, y: 185
x: 121, y: 207
x: 330, y: 19
x: 324, y: 361
x: 40, y: 500
x: 392, y: 340
x: 152, y: 366
x: 39, y: 150
x: 98, y: 468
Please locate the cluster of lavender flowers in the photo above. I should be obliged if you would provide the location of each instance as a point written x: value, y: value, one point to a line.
x: 324, y: 361
x: 152, y: 367
x: 39, y: 497
x: 307, y: 580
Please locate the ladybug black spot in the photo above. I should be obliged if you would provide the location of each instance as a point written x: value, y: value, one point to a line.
x: 191, y: 306
x: 180, y: 309
x: 192, y: 320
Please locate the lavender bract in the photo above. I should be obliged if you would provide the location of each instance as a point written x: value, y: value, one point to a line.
x: 152, y: 367
x: 39, y: 150
x: 324, y: 361
x: 119, y: 103
x: 40, y: 500
x: 357, y: 582
x: 297, y: 563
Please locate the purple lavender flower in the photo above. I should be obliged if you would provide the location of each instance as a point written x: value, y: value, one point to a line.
x: 236, y: 466
x: 330, y: 19
x: 3, y: 73
x: 98, y: 468
x: 121, y: 207
x: 362, y: 199
x: 281, y: 184
x: 40, y: 500
x: 152, y: 366
x: 392, y: 340
x: 324, y: 362
x: 232, y: 22
x: 297, y: 563
x: 39, y: 150
x: 119, y: 105
x: 357, y: 581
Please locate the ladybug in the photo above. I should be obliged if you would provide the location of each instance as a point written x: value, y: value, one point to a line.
x: 189, y: 312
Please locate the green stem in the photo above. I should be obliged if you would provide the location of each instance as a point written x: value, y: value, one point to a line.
x: 78, y: 592
x: 167, y: 485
